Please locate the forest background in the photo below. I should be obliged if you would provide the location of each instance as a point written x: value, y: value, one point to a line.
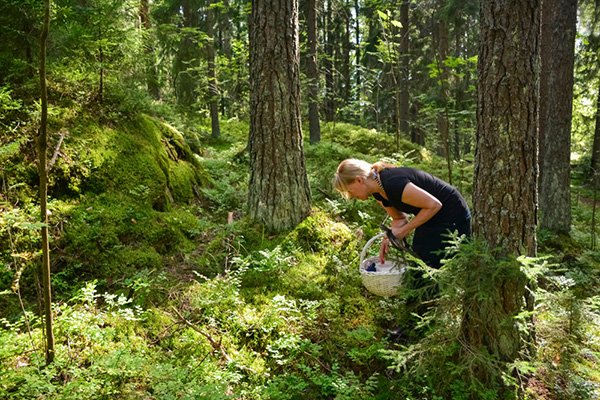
x: 164, y: 283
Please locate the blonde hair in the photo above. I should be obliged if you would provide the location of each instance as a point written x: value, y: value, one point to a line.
x: 349, y: 169
x: 381, y: 165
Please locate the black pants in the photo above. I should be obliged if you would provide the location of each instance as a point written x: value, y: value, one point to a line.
x: 429, y: 243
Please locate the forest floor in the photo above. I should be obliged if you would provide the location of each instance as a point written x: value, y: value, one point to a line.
x: 162, y: 296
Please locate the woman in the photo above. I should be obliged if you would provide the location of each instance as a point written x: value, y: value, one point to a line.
x: 438, y: 208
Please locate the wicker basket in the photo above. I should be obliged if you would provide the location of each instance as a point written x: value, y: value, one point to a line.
x: 387, y: 279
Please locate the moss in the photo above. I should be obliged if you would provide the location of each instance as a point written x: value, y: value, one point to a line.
x: 115, y: 234
x: 370, y: 142
x: 320, y: 234
x: 183, y: 183
x: 141, y: 152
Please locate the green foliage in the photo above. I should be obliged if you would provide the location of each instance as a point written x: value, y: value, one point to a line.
x: 139, y: 209
x: 468, y: 336
x: 101, y: 355
x: 369, y: 141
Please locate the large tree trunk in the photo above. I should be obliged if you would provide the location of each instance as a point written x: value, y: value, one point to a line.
x: 557, y: 49
x: 506, y: 166
x: 279, y: 192
x: 213, y: 91
x: 312, y: 73
x: 42, y: 145
x: 505, y: 182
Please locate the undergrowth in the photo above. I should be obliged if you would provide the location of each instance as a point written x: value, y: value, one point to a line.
x: 164, y: 289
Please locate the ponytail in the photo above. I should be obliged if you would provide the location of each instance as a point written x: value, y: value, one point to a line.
x: 381, y: 165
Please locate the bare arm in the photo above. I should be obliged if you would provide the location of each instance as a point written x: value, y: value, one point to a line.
x: 416, y: 197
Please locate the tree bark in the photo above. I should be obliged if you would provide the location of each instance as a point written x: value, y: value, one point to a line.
x: 312, y: 73
x: 329, y: 103
x: 226, y: 27
x: 506, y: 167
x: 42, y: 144
x: 358, y: 56
x: 557, y: 50
x: 595, y: 163
x: 404, y: 106
x: 186, y: 58
x: 279, y: 192
x: 151, y: 74
x: 345, y: 67
x: 443, y: 123
x: 213, y: 91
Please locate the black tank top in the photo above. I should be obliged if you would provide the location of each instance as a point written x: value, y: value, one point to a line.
x: 394, y: 180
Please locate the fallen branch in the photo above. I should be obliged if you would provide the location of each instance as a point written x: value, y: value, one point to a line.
x: 216, y: 345
x: 62, y: 136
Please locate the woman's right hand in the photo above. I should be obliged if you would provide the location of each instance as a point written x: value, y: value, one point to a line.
x: 383, y: 250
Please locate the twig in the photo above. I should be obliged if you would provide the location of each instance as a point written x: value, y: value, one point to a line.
x: 62, y: 136
x: 18, y: 292
x: 324, y: 193
x: 317, y: 360
x: 216, y: 345
x: 166, y: 335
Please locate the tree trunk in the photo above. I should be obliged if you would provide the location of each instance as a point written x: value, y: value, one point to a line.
x: 460, y: 94
x: 225, y: 34
x: 346, y: 54
x: 279, y: 192
x: 443, y: 123
x: 506, y: 166
x: 186, y: 58
x: 505, y: 181
x: 595, y: 164
x: 404, y: 107
x: 329, y: 103
x: 213, y: 91
x: 358, y: 64
x: 101, y: 62
x: 557, y: 49
x: 312, y: 73
x: 416, y: 132
x: 42, y: 146
x: 151, y: 74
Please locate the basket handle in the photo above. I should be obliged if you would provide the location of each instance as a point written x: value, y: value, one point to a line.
x: 364, y: 250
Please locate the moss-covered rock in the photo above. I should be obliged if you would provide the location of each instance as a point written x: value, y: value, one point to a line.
x: 142, y: 155
x: 123, y: 192
x: 320, y: 234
